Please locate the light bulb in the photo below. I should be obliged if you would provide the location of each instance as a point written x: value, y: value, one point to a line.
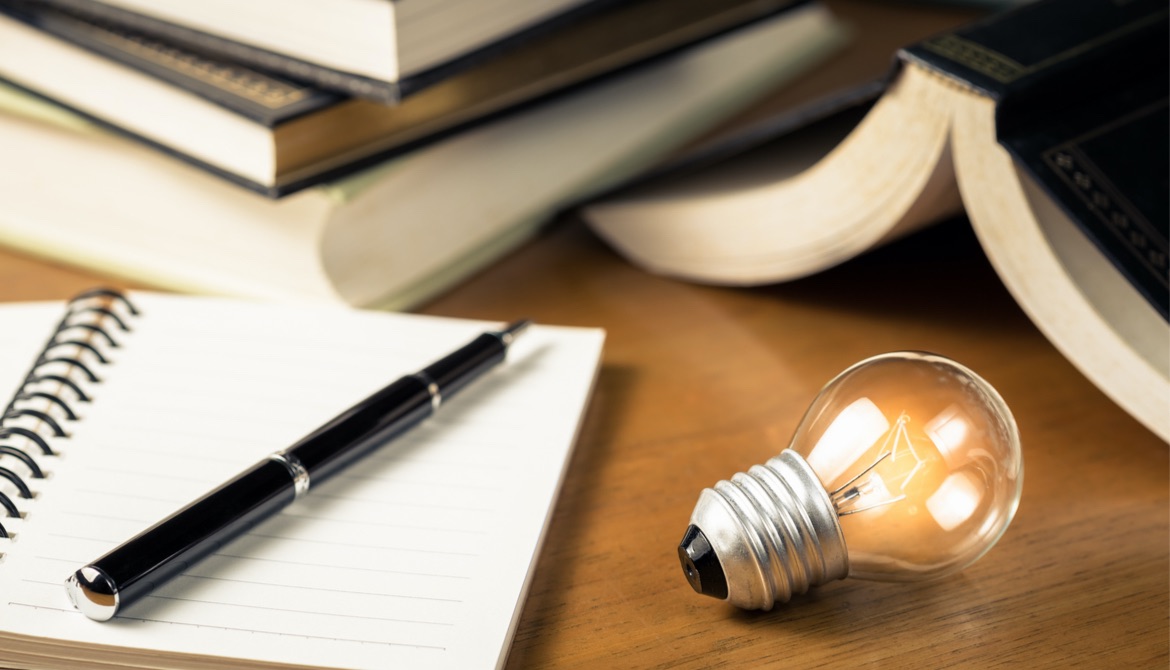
x: 907, y: 466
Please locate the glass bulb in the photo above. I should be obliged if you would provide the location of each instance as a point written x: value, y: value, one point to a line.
x: 907, y: 466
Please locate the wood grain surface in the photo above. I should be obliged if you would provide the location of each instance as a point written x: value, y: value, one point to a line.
x: 701, y: 382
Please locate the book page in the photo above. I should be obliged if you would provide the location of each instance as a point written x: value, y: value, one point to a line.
x: 417, y: 557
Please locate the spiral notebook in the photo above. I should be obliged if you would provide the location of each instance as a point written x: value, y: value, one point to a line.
x: 130, y: 408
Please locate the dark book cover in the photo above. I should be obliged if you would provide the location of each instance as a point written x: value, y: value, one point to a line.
x: 1081, y: 90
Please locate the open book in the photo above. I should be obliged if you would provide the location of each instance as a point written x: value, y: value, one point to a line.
x: 1048, y: 124
x: 418, y: 558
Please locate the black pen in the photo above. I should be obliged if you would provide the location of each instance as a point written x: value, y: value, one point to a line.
x: 129, y: 572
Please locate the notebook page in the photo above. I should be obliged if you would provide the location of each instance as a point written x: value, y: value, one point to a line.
x: 417, y: 557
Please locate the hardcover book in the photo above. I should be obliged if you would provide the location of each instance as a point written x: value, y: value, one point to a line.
x: 393, y: 234
x: 384, y: 50
x: 275, y: 135
x: 1046, y: 124
x: 1092, y: 132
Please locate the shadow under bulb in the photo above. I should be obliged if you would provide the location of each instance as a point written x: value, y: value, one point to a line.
x: 906, y: 467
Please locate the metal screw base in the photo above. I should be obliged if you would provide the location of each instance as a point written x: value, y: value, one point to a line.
x: 774, y: 531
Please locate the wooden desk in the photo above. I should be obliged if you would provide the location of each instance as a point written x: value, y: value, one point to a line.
x: 699, y: 383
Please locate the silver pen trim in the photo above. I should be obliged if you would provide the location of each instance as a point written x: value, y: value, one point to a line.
x: 513, y: 330
x: 432, y: 389
x: 296, y: 470
x: 93, y: 593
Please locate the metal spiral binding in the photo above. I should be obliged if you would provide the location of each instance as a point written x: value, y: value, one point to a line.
x: 61, y: 376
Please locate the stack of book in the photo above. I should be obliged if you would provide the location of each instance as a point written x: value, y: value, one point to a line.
x: 365, y: 152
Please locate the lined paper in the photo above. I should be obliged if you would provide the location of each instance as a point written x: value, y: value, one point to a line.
x: 417, y: 557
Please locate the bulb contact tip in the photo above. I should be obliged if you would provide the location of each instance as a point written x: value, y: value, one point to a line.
x: 701, y: 565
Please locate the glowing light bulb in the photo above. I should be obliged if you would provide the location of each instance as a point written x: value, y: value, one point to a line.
x: 907, y: 466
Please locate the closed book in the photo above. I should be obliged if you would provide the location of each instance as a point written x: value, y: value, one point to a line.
x: 277, y: 136
x: 1046, y: 124
x: 379, y: 49
x: 396, y: 233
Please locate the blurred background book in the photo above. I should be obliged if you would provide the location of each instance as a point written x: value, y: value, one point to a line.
x: 379, y: 50
x: 277, y: 135
x: 401, y: 229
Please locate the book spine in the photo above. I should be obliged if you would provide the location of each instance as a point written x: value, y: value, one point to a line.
x: 62, y: 375
x: 1044, y: 55
x: 326, y: 78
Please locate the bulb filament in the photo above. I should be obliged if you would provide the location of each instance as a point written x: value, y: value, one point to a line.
x: 867, y: 489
